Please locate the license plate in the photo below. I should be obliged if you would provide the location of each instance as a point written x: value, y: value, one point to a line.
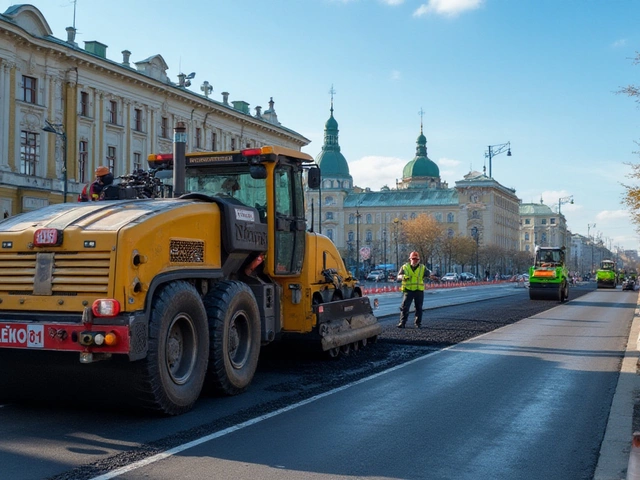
x: 21, y: 335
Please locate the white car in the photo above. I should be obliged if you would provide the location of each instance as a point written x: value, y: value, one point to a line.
x: 450, y: 277
x: 375, y: 276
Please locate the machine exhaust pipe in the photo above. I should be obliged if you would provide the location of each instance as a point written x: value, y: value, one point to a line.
x: 179, y: 158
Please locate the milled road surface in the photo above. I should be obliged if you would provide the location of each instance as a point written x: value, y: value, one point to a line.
x: 284, y: 377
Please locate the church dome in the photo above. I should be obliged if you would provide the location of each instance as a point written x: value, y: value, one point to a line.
x: 331, y: 162
x: 421, y: 165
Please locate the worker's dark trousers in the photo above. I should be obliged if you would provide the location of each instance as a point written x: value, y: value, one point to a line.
x: 416, y: 296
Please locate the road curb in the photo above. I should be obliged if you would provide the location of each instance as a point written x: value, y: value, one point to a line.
x: 616, y: 445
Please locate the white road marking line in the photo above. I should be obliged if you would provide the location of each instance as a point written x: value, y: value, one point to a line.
x: 248, y: 423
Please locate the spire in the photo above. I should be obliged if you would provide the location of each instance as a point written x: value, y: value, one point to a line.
x: 331, y: 129
x: 421, y: 148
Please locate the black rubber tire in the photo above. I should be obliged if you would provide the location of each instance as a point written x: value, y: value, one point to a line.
x: 234, y: 337
x: 171, y: 377
x: 564, y: 292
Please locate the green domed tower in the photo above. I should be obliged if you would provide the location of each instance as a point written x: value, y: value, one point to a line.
x: 333, y: 165
x: 421, y: 172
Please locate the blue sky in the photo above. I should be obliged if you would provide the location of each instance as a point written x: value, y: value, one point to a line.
x: 541, y: 74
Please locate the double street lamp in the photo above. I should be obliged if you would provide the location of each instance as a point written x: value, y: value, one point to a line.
x: 56, y: 129
x: 494, y: 150
x: 563, y: 200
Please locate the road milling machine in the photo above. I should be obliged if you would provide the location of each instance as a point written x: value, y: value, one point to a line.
x: 182, y: 291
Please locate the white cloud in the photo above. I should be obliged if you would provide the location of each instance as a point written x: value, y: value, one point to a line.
x: 393, y: 3
x: 448, y: 162
x: 375, y: 172
x: 619, y: 43
x: 395, y: 75
x: 611, y: 215
x: 449, y: 8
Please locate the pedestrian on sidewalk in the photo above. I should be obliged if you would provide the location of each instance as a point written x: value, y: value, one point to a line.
x: 412, y: 275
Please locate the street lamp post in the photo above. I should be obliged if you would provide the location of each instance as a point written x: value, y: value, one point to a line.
x: 563, y: 200
x: 396, y: 223
x: 53, y: 128
x: 358, y: 244
x: 476, y: 236
x: 384, y: 250
x: 494, y: 150
x: 589, y: 225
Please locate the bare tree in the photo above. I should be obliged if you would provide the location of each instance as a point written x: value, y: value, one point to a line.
x: 423, y: 234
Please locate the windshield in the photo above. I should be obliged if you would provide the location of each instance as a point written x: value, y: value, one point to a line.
x: 549, y: 256
x: 231, y: 182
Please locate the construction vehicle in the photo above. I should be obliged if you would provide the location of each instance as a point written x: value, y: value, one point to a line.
x: 548, y: 277
x: 606, y: 276
x: 184, y: 290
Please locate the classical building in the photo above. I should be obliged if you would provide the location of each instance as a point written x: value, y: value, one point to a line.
x: 368, y: 222
x: 98, y: 111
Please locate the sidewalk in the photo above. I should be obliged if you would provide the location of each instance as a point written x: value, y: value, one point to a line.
x: 616, y: 445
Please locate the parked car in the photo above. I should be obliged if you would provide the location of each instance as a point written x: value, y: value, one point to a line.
x: 467, y: 277
x: 376, y: 276
x: 450, y: 277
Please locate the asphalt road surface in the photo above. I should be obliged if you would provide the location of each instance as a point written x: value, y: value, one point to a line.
x: 529, y: 400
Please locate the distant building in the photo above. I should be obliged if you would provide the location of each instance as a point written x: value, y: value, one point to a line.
x: 104, y: 112
x: 359, y: 218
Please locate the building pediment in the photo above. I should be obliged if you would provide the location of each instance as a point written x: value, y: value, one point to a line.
x: 29, y: 19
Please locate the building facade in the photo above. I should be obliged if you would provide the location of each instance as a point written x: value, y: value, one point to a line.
x: 97, y: 111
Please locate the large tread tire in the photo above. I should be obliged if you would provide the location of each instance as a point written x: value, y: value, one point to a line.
x: 171, y: 377
x: 234, y: 337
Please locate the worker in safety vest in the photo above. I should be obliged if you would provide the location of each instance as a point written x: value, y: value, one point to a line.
x: 91, y: 191
x: 412, y: 275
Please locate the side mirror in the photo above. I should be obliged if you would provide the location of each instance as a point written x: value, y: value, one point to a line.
x: 258, y: 171
x: 313, y: 178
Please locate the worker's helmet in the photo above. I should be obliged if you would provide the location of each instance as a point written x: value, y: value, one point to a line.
x: 102, y: 170
x: 415, y: 255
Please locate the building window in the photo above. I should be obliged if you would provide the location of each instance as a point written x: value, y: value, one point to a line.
x: 137, y: 161
x: 553, y: 221
x: 328, y: 200
x: 351, y: 237
x: 198, y: 138
x: 111, y: 159
x: 113, y: 112
x: 527, y: 221
x: 369, y: 236
x: 330, y: 234
x: 29, y: 89
x: 369, y: 218
x: 352, y: 218
x: 83, y: 152
x: 329, y: 216
x: 450, y: 218
x: 137, y: 120
x: 29, y: 152
x: 164, y: 127
x: 438, y: 217
x: 474, y: 214
x: 84, y: 104
x: 543, y: 238
x: 526, y: 247
x: 526, y: 237
x: 450, y: 233
x: 233, y: 144
x: 413, y: 215
x: 544, y: 221
x: 214, y: 139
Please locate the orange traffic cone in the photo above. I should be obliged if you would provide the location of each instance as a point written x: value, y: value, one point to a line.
x: 633, y: 469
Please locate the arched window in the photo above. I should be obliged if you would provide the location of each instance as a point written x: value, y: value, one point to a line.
x: 369, y: 218
x: 330, y: 233
x: 438, y: 217
x: 351, y: 236
x: 369, y: 236
x: 526, y: 247
x: 352, y: 218
x: 450, y: 217
x: 526, y: 236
